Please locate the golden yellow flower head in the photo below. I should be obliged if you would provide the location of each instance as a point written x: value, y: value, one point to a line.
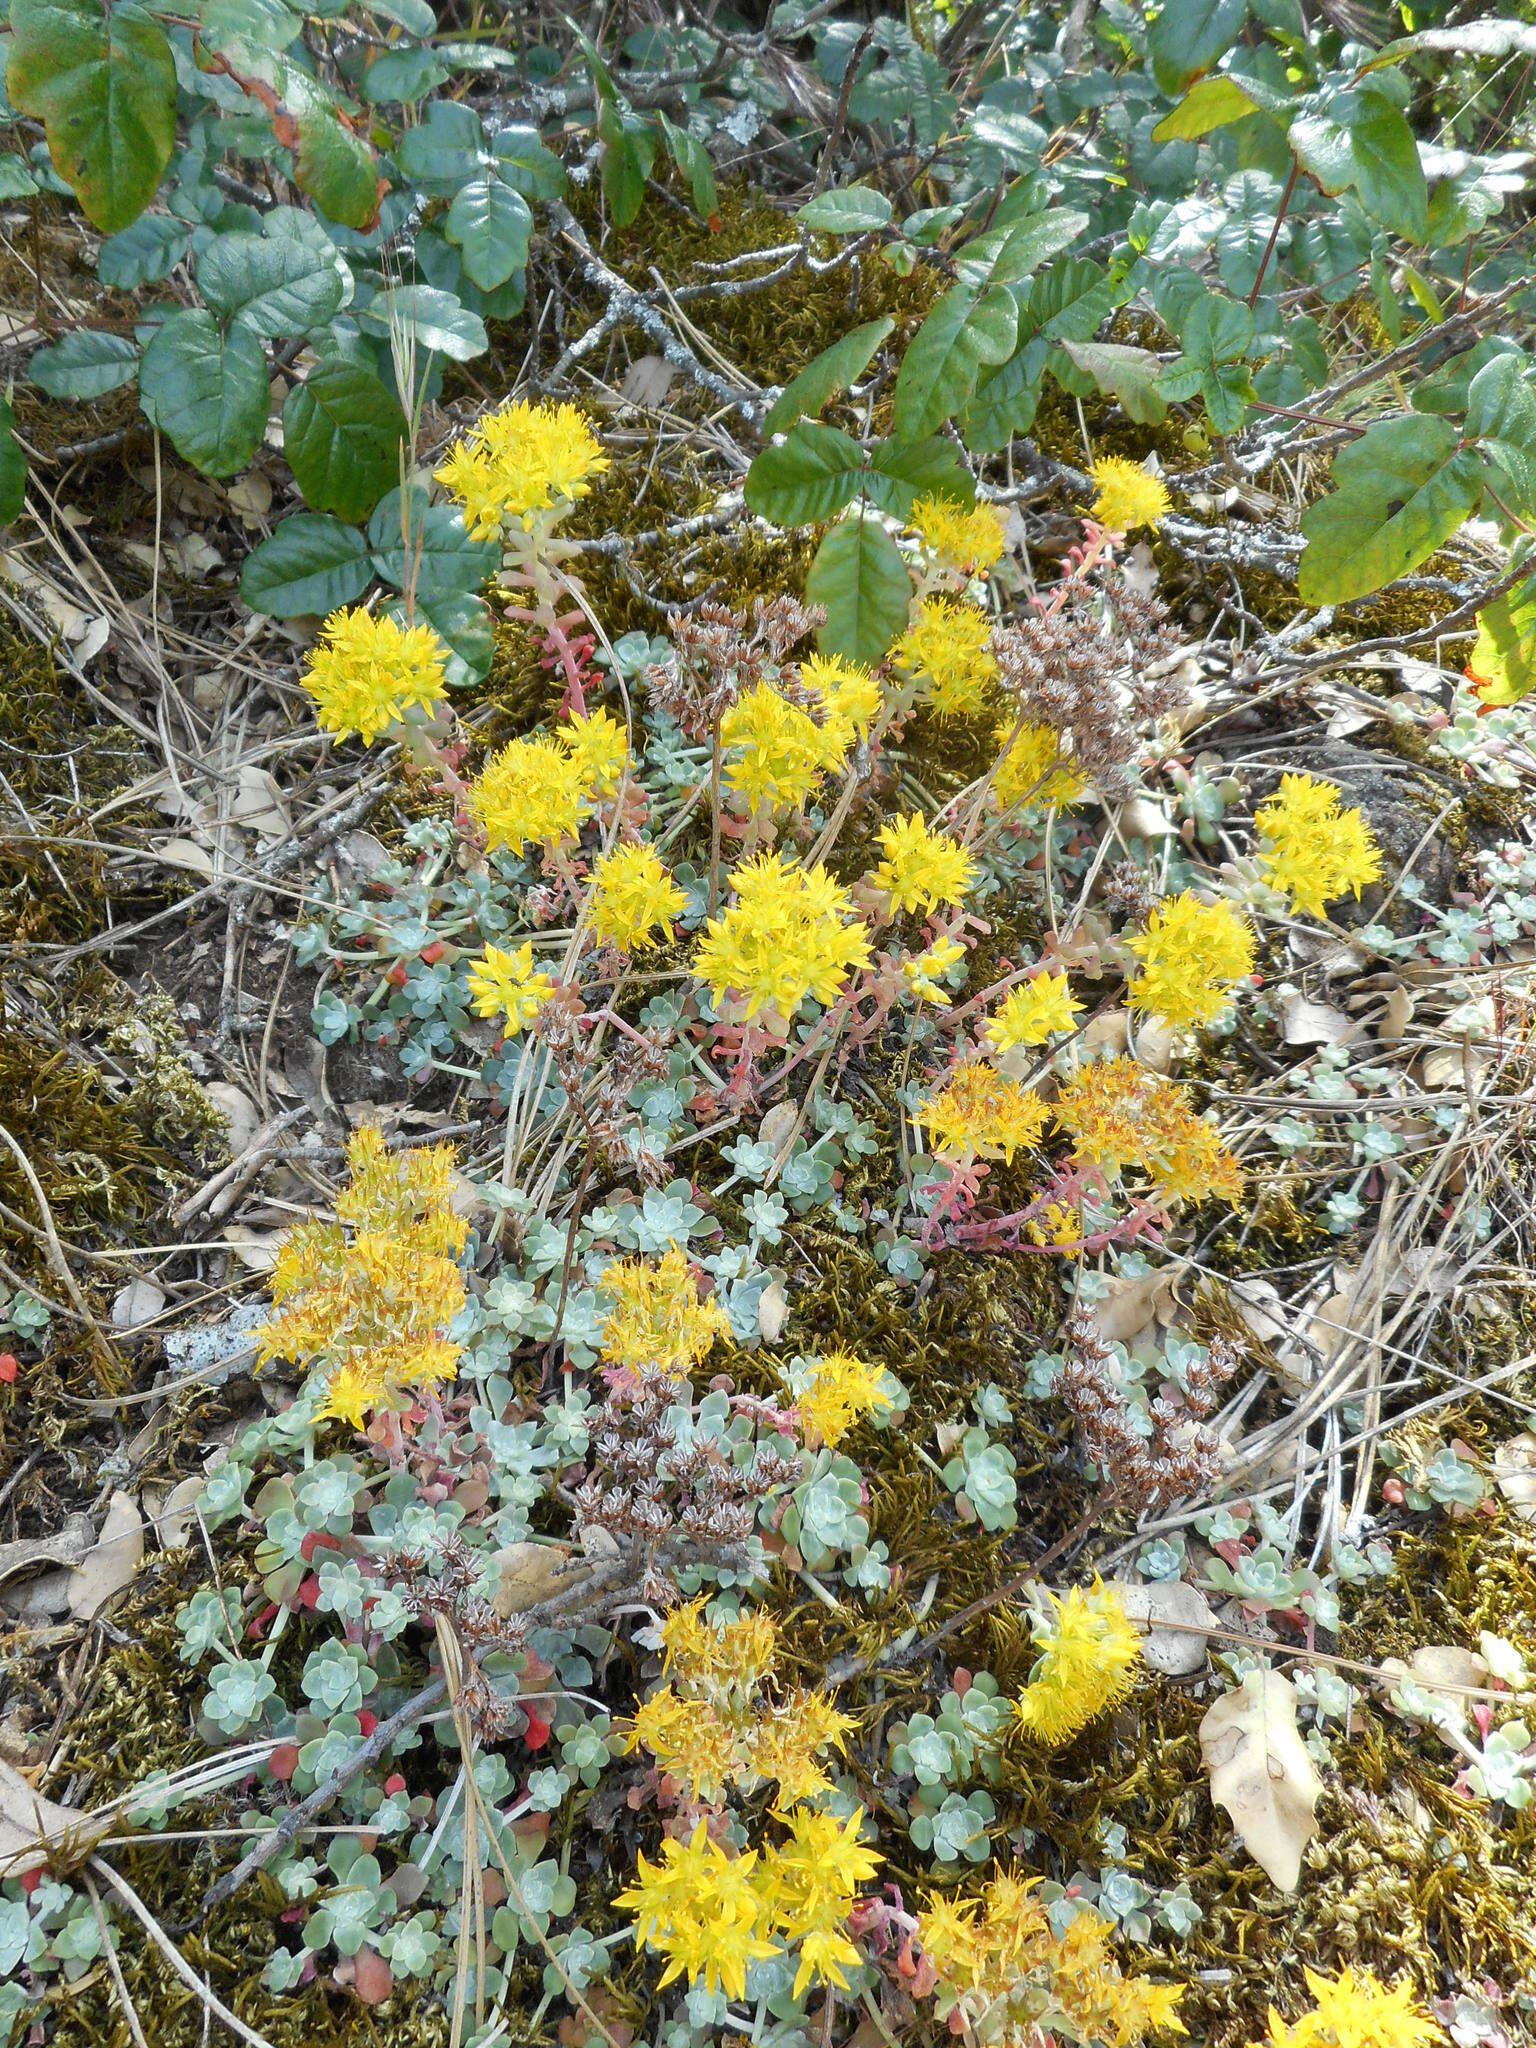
x: 534, y: 791
x: 634, y: 899
x: 367, y: 1300
x: 776, y: 753
x: 1311, y: 848
x: 971, y: 539
x: 1128, y: 496
x: 1124, y: 1119
x: 922, y: 868
x: 658, y: 1326
x: 699, y: 1908
x: 783, y: 939
x: 505, y: 984
x: 1191, y: 955
x: 1033, y: 770
x: 1356, y: 2010
x: 1001, y: 1965
x: 716, y: 1649
x: 1033, y: 1012
x: 691, y: 1740
x: 785, y: 1742
x: 1089, y: 1652
x: 980, y: 1114
x: 519, y: 462
x: 833, y: 1392
x: 949, y: 646
x: 367, y: 671
x: 849, y: 695
x: 811, y: 1883
x: 598, y: 741
x: 923, y: 972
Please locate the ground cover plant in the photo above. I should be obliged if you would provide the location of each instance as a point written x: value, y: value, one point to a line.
x: 766, y: 1025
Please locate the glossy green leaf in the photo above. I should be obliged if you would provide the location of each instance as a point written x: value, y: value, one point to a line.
x: 311, y: 564
x: 1403, y: 489
x: 901, y: 472
x: 860, y: 579
x: 1189, y: 35
x: 965, y: 332
x: 1210, y: 103
x: 855, y: 210
x: 207, y: 392
x: 13, y: 467
x: 337, y: 169
x: 808, y: 477
x: 1009, y: 255
x: 491, y: 225
x: 144, y: 253
x: 85, y: 365
x: 434, y: 320
x: 1128, y: 374
x: 342, y: 432
x: 437, y: 556
x: 1501, y: 419
x: 103, y: 83
x: 276, y: 286
x: 827, y: 374
x: 1363, y: 144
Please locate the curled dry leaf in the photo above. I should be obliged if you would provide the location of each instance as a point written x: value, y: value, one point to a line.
x: 1132, y: 1304
x: 1261, y: 1773
x: 37, y: 1833
x: 1514, y: 1471
x: 528, y: 1574
x: 1176, y: 1618
x: 1443, y: 1670
x: 111, y: 1563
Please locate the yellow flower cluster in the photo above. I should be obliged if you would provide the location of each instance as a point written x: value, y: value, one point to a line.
x: 520, y: 461
x: 367, y: 1300
x: 776, y: 753
x: 1355, y: 2010
x: 980, y: 1114
x: 1191, y: 955
x: 1006, y: 1975
x: 1033, y: 770
x: 719, y: 1649
x: 959, y: 539
x: 783, y: 939
x: 1123, y: 1119
x: 634, y: 899
x: 537, y: 791
x: 849, y: 695
x: 365, y: 672
x: 1033, y: 1012
x: 922, y: 868
x: 948, y: 645
x: 658, y: 1326
x: 506, y: 985
x: 1128, y: 496
x: 922, y: 971
x: 713, y: 1731
x: 712, y: 1915
x: 1312, y: 849
x: 1089, y: 1652
x: 835, y: 1391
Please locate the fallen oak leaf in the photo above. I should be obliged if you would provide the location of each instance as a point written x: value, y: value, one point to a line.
x: 37, y: 1833
x: 1261, y: 1773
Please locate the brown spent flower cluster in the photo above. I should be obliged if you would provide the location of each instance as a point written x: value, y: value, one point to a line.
x: 1082, y: 670
x: 643, y: 1488
x: 1180, y: 1458
x: 721, y: 657
x: 599, y: 1094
